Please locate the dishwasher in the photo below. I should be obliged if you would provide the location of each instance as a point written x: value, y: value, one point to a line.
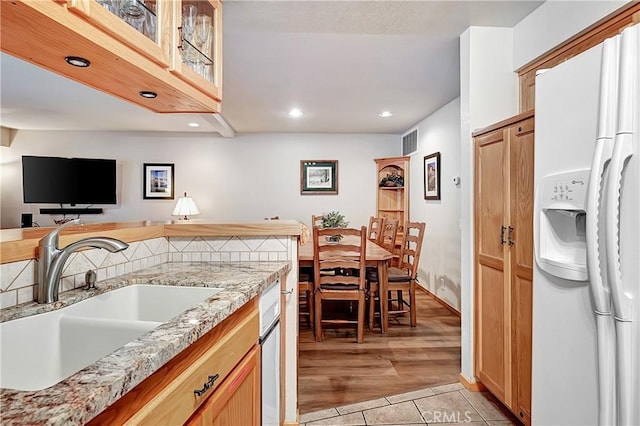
x: 269, y: 306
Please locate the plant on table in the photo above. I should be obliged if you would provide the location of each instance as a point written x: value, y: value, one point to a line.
x: 334, y: 219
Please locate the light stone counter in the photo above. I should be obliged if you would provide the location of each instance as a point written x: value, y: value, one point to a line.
x: 82, y: 396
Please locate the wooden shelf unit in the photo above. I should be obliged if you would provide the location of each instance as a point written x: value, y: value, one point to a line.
x: 392, y: 202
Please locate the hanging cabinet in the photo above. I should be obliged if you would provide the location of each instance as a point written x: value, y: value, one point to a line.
x: 129, y: 52
x: 197, y: 57
x: 504, y: 260
x: 392, y: 191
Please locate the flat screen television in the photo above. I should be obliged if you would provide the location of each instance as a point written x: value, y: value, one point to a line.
x: 68, y: 180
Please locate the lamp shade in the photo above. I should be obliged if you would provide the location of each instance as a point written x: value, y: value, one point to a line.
x: 185, y: 207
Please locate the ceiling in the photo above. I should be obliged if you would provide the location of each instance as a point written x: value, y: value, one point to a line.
x: 340, y: 62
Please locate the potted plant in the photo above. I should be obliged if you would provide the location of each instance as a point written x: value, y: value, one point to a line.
x: 334, y: 220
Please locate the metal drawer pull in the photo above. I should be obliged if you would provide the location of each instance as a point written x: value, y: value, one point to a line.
x: 502, y: 229
x: 207, y: 386
x: 286, y: 292
x: 510, y: 236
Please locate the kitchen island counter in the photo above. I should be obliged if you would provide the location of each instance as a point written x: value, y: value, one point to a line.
x: 82, y: 396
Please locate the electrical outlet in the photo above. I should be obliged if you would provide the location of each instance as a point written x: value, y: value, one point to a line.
x: 441, y: 283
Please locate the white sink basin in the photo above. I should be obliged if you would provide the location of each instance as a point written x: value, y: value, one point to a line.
x: 41, y: 350
x: 142, y: 302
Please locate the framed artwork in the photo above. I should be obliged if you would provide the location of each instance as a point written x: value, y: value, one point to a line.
x: 432, y: 176
x: 157, y: 181
x: 318, y: 177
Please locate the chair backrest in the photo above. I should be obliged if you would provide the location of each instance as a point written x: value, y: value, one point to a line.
x: 348, y: 254
x: 411, y: 247
x: 316, y: 220
x: 374, y: 231
x: 389, y: 235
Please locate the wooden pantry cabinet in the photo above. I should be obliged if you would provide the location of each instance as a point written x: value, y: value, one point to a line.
x: 504, y: 260
x: 146, y: 53
x: 215, y: 381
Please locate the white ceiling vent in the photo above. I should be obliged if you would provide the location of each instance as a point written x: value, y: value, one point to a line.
x: 410, y: 143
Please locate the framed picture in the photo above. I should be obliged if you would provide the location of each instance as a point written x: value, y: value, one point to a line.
x: 318, y: 177
x: 157, y: 181
x: 432, y: 176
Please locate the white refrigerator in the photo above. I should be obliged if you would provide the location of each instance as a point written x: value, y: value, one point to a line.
x: 586, y: 281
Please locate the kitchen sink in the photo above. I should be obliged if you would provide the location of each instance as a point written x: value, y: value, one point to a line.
x: 41, y: 350
x: 142, y: 302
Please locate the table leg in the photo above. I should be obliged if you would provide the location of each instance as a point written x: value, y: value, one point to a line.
x: 384, y: 296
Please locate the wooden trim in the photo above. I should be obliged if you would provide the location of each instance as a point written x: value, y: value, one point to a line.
x: 592, y: 35
x: 504, y: 123
x: 270, y: 227
x: 471, y: 386
x: 439, y: 300
x: 22, y: 244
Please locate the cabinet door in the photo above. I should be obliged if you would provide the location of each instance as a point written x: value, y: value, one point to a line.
x: 197, y: 36
x: 237, y: 400
x: 143, y: 25
x: 521, y: 260
x: 492, y: 329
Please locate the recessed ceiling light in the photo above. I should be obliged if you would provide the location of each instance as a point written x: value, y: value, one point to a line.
x: 193, y: 125
x: 148, y: 94
x: 295, y: 113
x: 77, y: 61
x: 385, y: 114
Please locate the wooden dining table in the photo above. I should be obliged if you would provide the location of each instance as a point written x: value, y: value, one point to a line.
x: 376, y: 256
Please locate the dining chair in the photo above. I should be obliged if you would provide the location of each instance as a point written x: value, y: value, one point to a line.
x: 402, y: 277
x: 316, y: 220
x: 388, y: 242
x: 306, y: 303
x: 374, y: 231
x: 348, y: 254
x: 389, y: 234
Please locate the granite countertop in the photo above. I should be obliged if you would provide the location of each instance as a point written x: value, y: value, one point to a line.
x: 85, y: 394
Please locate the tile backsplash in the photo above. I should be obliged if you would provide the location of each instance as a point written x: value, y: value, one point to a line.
x: 18, y: 279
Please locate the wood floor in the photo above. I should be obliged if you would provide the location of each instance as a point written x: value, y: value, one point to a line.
x: 338, y: 371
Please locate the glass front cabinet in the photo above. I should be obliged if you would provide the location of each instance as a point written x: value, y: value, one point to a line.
x: 184, y: 37
x: 198, y: 34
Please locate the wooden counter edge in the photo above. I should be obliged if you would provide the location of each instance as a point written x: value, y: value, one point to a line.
x: 26, y: 249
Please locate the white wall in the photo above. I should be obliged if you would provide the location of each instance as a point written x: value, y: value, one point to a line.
x: 245, y: 178
x: 488, y: 94
x: 439, y: 269
x: 554, y: 22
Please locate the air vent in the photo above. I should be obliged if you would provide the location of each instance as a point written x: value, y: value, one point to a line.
x: 410, y: 143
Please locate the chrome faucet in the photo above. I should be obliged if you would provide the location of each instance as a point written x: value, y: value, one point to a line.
x: 51, y: 259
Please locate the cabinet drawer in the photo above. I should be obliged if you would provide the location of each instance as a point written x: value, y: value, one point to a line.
x: 174, y: 404
x: 525, y: 126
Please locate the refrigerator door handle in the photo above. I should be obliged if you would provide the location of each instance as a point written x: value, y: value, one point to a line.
x: 622, y: 152
x: 596, y: 252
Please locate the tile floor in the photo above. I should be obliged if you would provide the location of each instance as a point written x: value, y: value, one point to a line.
x: 443, y: 406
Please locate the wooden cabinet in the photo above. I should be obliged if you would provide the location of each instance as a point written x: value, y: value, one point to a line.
x: 237, y: 401
x: 147, y: 28
x: 127, y: 58
x: 392, y: 189
x: 197, y: 56
x: 504, y: 260
x: 213, y: 381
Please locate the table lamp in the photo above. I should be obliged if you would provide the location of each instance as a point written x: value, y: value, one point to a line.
x: 185, y: 207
